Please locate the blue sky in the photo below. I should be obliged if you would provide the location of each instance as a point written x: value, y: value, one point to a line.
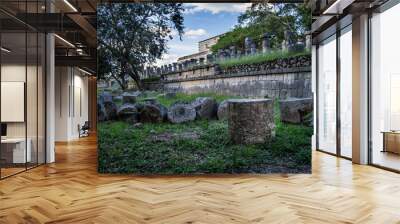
x: 202, y: 21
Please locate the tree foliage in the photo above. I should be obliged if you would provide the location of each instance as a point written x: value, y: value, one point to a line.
x: 133, y: 35
x: 263, y: 18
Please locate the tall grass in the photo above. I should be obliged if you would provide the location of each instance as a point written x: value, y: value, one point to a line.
x: 260, y: 58
x: 182, y: 97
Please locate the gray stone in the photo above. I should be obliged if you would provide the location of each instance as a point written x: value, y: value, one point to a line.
x: 106, y: 111
x: 210, y: 58
x: 266, y: 43
x: 251, y: 121
x: 153, y: 113
x: 201, y: 61
x: 253, y: 49
x: 138, y: 125
x: 105, y: 97
x: 206, y: 107
x: 294, y: 110
x: 297, y: 47
x: 168, y: 137
x: 101, y: 114
x: 232, y: 51
x: 308, y: 40
x: 128, y: 98
x: 139, y: 94
x: 248, y: 43
x: 223, y: 110
x: 180, y: 112
x: 117, y: 98
x: 128, y: 112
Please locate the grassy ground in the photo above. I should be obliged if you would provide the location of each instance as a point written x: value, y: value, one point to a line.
x: 260, y: 58
x: 181, y: 97
x: 125, y: 149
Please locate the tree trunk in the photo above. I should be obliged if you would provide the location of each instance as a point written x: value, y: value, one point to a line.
x: 136, y: 77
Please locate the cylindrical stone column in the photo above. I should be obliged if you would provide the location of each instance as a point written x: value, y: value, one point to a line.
x: 251, y: 121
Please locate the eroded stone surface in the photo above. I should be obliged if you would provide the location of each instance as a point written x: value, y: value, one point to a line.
x: 105, y: 97
x: 251, y: 121
x: 294, y: 110
x: 128, y: 112
x: 153, y: 113
x: 180, y: 112
x: 206, y: 107
x: 223, y: 110
x: 106, y: 111
x: 166, y: 137
x: 128, y: 98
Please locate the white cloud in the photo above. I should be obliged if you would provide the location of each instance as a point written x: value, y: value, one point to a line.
x: 183, y: 48
x: 167, y: 59
x: 177, y: 50
x: 215, y: 8
x: 195, y: 33
x: 173, y: 33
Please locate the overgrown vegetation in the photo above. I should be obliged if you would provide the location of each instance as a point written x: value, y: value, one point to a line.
x: 261, y: 58
x: 132, y: 35
x: 126, y: 149
x: 182, y: 97
x: 263, y: 18
x: 151, y: 79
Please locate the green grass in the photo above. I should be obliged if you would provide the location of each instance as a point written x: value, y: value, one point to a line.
x: 125, y: 149
x: 260, y: 58
x: 182, y: 97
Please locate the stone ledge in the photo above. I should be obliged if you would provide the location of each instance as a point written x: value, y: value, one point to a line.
x: 243, y: 74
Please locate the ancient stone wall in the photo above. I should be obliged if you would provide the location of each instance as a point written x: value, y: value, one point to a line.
x: 281, y: 78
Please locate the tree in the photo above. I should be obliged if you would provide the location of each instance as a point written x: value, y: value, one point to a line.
x: 263, y: 18
x: 131, y: 36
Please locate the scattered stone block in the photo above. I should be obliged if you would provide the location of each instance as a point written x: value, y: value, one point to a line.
x: 294, y: 110
x: 206, y: 107
x: 105, y: 97
x: 128, y: 98
x: 153, y: 113
x: 222, y: 112
x: 251, y: 121
x: 106, y: 111
x: 101, y: 114
x: 117, y: 98
x: 128, y: 113
x: 179, y: 113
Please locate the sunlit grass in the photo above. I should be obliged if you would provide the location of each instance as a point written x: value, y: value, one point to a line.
x: 260, y: 58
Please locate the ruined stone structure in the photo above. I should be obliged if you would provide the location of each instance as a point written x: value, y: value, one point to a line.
x: 288, y: 77
x: 283, y: 78
x: 251, y: 121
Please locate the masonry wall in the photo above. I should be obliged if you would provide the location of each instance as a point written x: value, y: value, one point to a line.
x: 270, y: 85
x: 282, y: 78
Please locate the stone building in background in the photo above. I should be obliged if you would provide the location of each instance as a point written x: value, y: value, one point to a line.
x: 204, y: 49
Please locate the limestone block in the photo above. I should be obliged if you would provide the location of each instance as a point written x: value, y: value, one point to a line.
x: 251, y: 121
x: 181, y: 112
x: 294, y: 110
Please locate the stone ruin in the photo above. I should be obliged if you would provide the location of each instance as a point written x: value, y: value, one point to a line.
x: 290, y: 43
x: 251, y: 121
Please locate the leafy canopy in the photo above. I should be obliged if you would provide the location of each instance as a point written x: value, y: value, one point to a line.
x: 133, y: 35
x: 263, y: 18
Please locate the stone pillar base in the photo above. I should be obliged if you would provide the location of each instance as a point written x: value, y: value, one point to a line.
x: 251, y: 120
